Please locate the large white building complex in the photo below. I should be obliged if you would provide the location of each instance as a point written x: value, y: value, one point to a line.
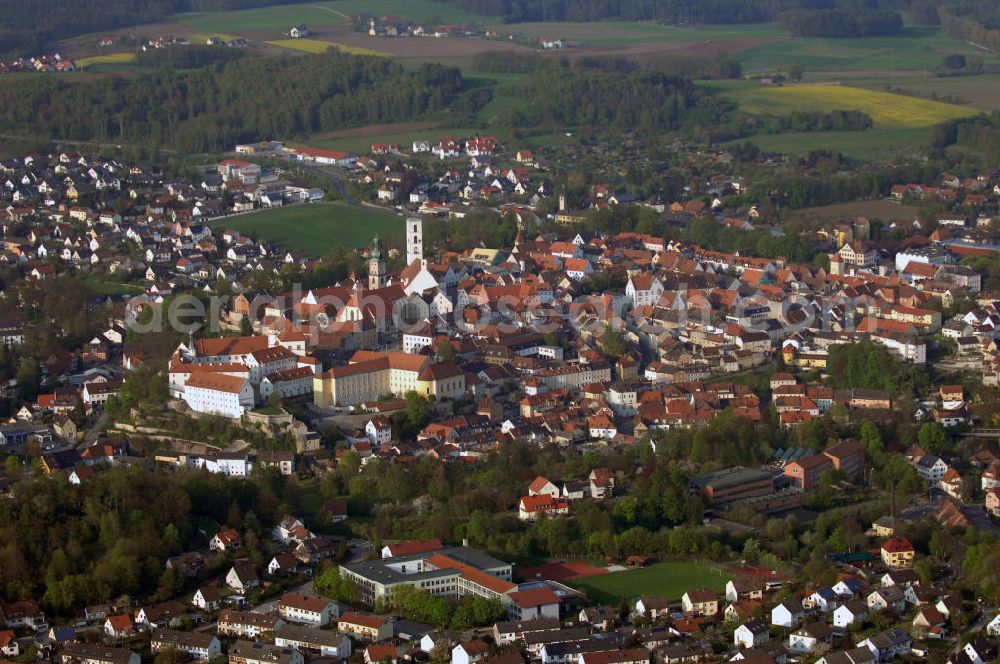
x: 452, y: 572
x: 230, y: 375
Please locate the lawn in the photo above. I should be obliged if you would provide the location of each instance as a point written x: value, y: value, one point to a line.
x: 102, y: 286
x: 318, y: 227
x: 320, y: 46
x: 669, y: 580
x: 889, y: 111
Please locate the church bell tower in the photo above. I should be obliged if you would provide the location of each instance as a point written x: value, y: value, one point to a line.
x: 414, y: 240
x: 376, y: 266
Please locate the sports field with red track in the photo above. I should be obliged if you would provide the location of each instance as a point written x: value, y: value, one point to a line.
x: 560, y: 571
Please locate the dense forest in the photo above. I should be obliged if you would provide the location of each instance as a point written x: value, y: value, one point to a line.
x: 980, y: 133
x: 645, y: 101
x: 840, y: 22
x: 969, y: 27
x: 28, y: 26
x: 83, y: 545
x: 669, y: 11
x: 249, y: 99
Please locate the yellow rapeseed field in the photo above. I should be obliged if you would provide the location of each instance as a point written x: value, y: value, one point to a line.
x: 109, y: 59
x: 319, y: 46
x: 887, y: 110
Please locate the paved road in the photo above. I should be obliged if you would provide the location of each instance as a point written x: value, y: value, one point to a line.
x: 95, y: 430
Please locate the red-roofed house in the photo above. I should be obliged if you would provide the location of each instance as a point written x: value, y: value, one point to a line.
x: 531, y: 507
x: 541, y: 486
x: 533, y: 603
x: 897, y: 552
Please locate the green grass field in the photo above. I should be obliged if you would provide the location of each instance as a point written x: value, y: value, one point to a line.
x: 612, y: 33
x: 107, y: 59
x: 669, y: 580
x: 888, y: 111
x: 914, y: 48
x: 421, y: 11
x: 277, y: 19
x: 871, y: 145
x: 318, y: 227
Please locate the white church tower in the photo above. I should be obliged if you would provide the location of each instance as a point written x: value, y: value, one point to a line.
x: 414, y: 240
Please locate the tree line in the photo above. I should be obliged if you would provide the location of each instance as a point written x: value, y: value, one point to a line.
x: 981, y: 133
x: 213, y: 107
x: 678, y: 12
x: 841, y: 22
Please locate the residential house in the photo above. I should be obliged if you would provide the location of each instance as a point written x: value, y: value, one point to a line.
x: 751, y: 634
x: 700, y: 602
x: 196, y: 645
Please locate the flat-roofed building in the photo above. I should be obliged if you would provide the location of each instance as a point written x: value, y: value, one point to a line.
x: 734, y: 484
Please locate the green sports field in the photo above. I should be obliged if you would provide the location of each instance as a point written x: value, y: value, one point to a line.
x: 669, y: 580
x: 318, y: 227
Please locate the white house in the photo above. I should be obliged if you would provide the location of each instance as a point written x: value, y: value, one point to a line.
x: 931, y: 468
x: 855, y: 611
x: 787, y: 614
x: 808, y: 637
x: 469, y: 652
x: 242, y: 577
x: 643, y: 290
x: 307, y: 609
x: 888, y: 598
x: 654, y: 607
x: 207, y: 598
x: 379, y: 431
x: 541, y: 486
x: 888, y: 644
x: 533, y: 604
x: 993, y: 627
x: 321, y: 642
x: 196, y: 645
x: 825, y: 599
x: 751, y: 634
x: 849, y: 587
